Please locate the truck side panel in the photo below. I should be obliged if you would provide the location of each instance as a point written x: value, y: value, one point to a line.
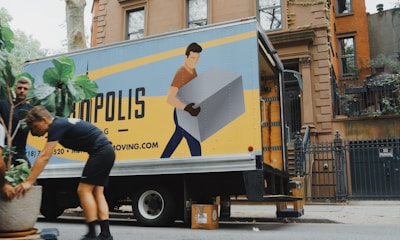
x: 134, y: 79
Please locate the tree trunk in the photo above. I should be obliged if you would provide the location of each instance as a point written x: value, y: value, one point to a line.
x: 74, y: 12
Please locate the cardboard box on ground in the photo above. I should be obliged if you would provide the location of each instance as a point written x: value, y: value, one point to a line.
x: 204, y: 216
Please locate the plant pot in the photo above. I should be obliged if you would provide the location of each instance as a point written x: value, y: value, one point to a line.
x: 21, y: 213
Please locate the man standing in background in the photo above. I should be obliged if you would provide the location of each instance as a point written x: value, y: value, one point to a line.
x: 21, y: 89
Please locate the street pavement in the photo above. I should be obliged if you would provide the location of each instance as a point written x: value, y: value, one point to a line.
x: 351, y: 220
x: 351, y: 212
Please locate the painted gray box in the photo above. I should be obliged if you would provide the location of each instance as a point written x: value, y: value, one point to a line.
x: 219, y: 93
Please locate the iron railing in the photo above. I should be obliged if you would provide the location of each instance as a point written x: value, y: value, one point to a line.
x: 375, y: 96
x: 369, y: 168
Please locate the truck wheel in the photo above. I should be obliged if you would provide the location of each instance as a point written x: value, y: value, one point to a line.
x: 49, y: 208
x: 153, y: 207
x: 51, y: 212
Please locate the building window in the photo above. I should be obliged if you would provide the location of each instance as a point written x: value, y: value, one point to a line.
x: 344, y: 6
x: 270, y: 14
x: 135, y: 24
x: 347, y: 56
x: 196, y: 13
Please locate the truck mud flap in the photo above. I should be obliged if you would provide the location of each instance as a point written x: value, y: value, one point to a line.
x: 254, y: 184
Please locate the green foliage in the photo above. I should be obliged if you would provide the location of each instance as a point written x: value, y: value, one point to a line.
x: 390, y: 64
x: 6, y: 36
x: 5, y: 17
x: 25, y: 48
x: 305, y: 3
x: 388, y: 106
x: 380, y: 95
x: 7, y: 151
x: 19, y: 173
x: 62, y: 88
x: 7, y: 77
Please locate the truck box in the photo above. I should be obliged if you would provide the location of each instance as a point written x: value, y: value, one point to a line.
x: 234, y: 146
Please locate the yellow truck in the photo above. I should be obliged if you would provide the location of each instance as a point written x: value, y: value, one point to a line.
x: 195, y: 116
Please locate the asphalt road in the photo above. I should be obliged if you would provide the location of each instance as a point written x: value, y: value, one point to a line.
x: 126, y: 230
x: 353, y: 220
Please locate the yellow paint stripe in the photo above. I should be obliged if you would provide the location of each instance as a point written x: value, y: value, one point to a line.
x: 102, y: 72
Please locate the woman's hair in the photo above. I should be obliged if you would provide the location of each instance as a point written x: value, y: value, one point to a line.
x: 37, y: 113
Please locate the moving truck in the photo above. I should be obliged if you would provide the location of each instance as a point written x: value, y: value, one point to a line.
x: 227, y: 141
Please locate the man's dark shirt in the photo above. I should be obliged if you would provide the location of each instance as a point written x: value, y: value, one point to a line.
x: 19, y: 140
x: 76, y: 134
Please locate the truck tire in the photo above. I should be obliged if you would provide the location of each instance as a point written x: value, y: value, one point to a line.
x: 51, y: 211
x: 49, y: 208
x: 153, y: 206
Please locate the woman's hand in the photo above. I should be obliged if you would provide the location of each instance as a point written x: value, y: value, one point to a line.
x: 22, y: 188
x: 8, y: 192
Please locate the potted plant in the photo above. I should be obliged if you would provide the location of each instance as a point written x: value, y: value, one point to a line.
x: 60, y: 90
x: 19, y: 216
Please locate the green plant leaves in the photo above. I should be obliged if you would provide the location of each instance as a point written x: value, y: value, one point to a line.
x: 6, y: 35
x: 62, y: 88
x: 60, y: 74
x: 89, y: 88
x: 18, y: 173
x: 6, y: 74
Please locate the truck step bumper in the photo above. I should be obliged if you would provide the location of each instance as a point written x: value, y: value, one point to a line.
x: 289, y: 213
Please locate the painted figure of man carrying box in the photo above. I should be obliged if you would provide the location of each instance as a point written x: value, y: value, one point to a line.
x: 184, y: 75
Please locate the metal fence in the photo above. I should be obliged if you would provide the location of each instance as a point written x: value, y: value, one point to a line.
x: 371, y: 97
x: 349, y: 169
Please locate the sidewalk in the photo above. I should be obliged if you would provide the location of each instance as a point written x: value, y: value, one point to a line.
x: 353, y: 212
